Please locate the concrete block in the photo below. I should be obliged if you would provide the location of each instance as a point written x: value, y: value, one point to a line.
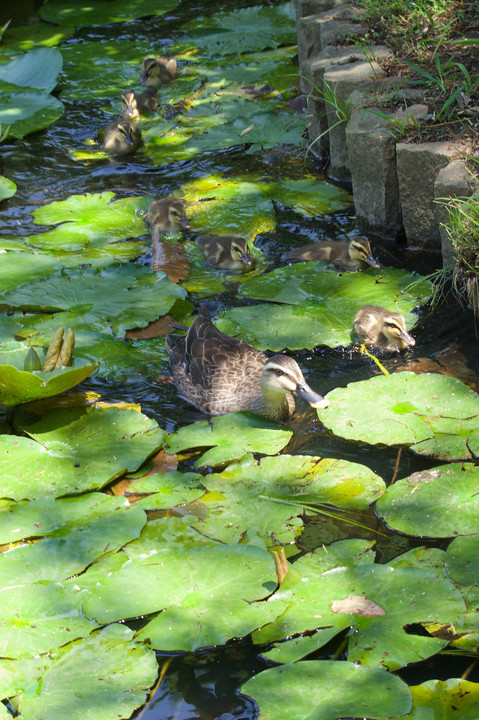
x: 452, y: 181
x: 314, y: 7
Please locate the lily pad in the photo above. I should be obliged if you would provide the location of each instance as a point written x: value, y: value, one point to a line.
x: 7, y: 188
x: 444, y: 700
x: 440, y: 502
x: 106, y: 670
x: 101, y: 12
x: 328, y: 690
x: 208, y: 595
x: 20, y: 386
x: 114, y: 299
x: 460, y: 560
x: 22, y: 267
x: 408, y: 409
x: 38, y: 68
x: 281, y: 488
x: 25, y: 37
x: 230, y: 437
x: 404, y: 596
x: 28, y: 112
x: 168, y: 489
x: 322, y: 312
x: 70, y: 451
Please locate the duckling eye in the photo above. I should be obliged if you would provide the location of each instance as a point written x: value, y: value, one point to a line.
x: 279, y: 372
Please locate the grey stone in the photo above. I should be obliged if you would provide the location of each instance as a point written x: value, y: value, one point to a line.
x: 452, y: 181
x: 313, y: 7
x: 339, y: 81
x: 371, y: 145
x: 418, y: 166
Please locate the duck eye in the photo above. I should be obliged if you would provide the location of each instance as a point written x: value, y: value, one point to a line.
x: 279, y: 372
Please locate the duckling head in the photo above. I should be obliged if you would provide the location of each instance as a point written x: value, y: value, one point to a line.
x: 121, y: 138
x: 394, y: 328
x: 240, y: 253
x: 158, y: 71
x: 281, y: 375
x: 168, y: 215
x: 129, y: 106
x: 360, y: 251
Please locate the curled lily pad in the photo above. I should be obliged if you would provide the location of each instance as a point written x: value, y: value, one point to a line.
x: 332, y: 689
x: 231, y: 436
x: 20, y: 386
x: 39, y: 68
x: 408, y: 409
x: 28, y: 112
x: 70, y: 451
x: 440, y: 502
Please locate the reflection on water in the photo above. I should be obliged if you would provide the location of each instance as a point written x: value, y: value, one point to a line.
x: 205, y: 685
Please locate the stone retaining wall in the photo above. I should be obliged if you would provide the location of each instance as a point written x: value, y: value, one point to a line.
x: 395, y: 184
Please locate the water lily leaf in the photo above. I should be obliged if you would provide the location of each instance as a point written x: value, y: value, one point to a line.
x: 407, y: 595
x: 106, y: 670
x: 331, y: 689
x: 70, y: 451
x: 38, y: 68
x: 64, y: 554
x: 28, y: 112
x: 7, y: 188
x: 281, y: 488
x: 230, y: 437
x: 21, y: 267
x: 207, y: 594
x: 411, y: 505
x: 113, y: 299
x: 405, y: 408
x: 460, y: 564
x: 444, y: 700
x: 247, y: 29
x: 20, y: 386
x: 102, y: 12
x: 39, y: 617
x: 25, y: 37
x: 168, y: 489
x: 325, y: 312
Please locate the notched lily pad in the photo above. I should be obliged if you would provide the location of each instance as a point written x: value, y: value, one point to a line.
x: 20, y: 386
x: 231, y: 436
x: 437, y: 414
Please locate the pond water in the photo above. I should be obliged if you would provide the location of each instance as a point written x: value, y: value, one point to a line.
x: 47, y: 167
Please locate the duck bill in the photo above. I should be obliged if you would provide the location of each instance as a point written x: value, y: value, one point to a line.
x: 407, y: 339
x: 185, y: 225
x: 246, y: 260
x: 371, y: 261
x: 313, y: 398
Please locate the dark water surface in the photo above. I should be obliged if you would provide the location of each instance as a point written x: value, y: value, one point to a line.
x: 205, y: 685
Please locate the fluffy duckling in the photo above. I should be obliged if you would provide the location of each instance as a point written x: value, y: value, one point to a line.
x: 352, y: 255
x: 133, y: 105
x: 121, y: 137
x: 373, y: 325
x: 221, y: 374
x: 167, y: 215
x: 226, y: 252
x: 158, y: 71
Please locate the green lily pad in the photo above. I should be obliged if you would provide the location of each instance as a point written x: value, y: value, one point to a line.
x: 64, y: 554
x: 401, y: 597
x: 246, y: 29
x: 20, y: 386
x: 168, y: 489
x: 208, y: 595
x: 322, y: 312
x: 405, y: 408
x: 28, y: 112
x: 70, y: 451
x: 113, y: 299
x: 25, y: 37
x: 328, y: 690
x: 281, y: 488
x: 230, y: 437
x: 38, y: 68
x: 102, y: 12
x: 106, y: 670
x: 460, y: 560
x: 7, y: 188
x: 441, y: 502
x: 22, y: 267
x: 444, y: 700
x: 39, y: 617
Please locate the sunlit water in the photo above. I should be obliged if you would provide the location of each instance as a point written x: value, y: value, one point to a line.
x: 205, y: 685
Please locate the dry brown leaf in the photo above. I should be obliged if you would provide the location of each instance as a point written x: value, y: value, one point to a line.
x: 157, y: 328
x: 357, y: 605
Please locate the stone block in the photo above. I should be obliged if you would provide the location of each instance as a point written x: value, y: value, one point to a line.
x: 452, y: 181
x: 314, y: 7
x: 418, y: 166
x: 339, y: 81
x: 371, y: 145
